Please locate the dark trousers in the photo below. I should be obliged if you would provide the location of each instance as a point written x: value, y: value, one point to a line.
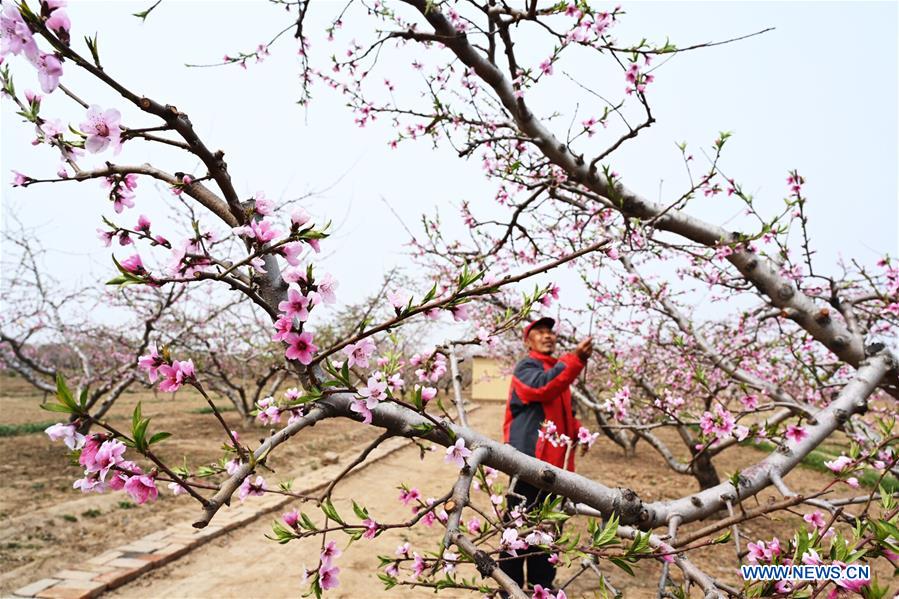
x: 539, y: 570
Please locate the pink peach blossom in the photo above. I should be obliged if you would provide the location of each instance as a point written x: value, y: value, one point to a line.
x: 371, y: 528
x: 295, y: 306
x: 58, y: 21
x: 300, y: 347
x: 17, y: 37
x: 795, y: 433
x: 359, y: 353
x: 141, y: 488
x: 330, y: 553
x: 151, y: 363
x: 327, y: 577
x: 456, y: 453
x: 408, y: 496
x: 102, y: 130
x: 67, y: 432
x: 254, y: 488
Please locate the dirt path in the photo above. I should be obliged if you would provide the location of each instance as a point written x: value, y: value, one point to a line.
x: 246, y: 564
x: 46, y: 526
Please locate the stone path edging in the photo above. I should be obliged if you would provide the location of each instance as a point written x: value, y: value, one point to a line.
x: 123, y: 564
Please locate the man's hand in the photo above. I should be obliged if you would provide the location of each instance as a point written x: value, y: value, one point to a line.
x: 584, y: 349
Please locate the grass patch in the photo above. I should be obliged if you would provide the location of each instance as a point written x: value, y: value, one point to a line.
x: 14, y: 430
x: 15, y: 545
x: 127, y: 505
x: 69, y: 518
x: 816, y: 458
x: 208, y: 410
x: 92, y: 513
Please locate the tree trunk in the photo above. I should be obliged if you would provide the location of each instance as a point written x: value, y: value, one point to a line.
x: 704, y: 471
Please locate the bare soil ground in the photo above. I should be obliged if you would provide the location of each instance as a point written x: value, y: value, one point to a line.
x: 48, y: 526
x: 45, y: 525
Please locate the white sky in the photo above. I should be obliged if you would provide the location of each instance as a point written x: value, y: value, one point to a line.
x: 818, y: 94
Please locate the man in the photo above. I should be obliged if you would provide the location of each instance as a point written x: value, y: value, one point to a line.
x: 540, y: 392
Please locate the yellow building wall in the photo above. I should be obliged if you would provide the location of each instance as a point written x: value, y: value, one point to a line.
x: 488, y: 382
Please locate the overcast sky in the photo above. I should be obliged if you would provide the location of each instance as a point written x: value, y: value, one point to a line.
x: 819, y: 94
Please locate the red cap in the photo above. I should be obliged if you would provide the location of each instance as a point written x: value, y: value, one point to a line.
x: 542, y: 320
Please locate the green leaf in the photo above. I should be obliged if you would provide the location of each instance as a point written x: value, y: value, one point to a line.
x: 360, y: 511
x: 607, y: 534
x: 316, y: 585
x: 94, y: 46
x: 430, y: 295
x: 724, y: 538
x: 139, y: 428
x: 330, y: 511
x: 55, y: 407
x: 354, y: 534
x: 389, y: 581
x: 622, y: 564
x: 63, y: 394
x: 206, y: 471
x: 886, y: 499
x: 142, y: 15
x: 640, y: 544
x: 574, y: 541
x: 306, y: 522
x: 885, y: 530
x: 423, y: 428
x: 135, y: 417
x: 141, y: 433
x: 158, y: 437
x: 282, y: 533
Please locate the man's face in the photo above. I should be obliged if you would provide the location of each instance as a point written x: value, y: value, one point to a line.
x: 542, y: 339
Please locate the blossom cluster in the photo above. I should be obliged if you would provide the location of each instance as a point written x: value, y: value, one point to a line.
x: 588, y: 28
x: 720, y: 425
x: 171, y: 373
x: 619, y: 404
x: 304, y: 293
x: 845, y: 466
x: 550, y: 433
x: 370, y: 396
x: 269, y: 412
x: 512, y: 538
x: 105, y: 466
x: 432, y: 366
x: 121, y: 190
x: 101, y: 128
x: 18, y: 39
x: 327, y: 574
x: 637, y: 78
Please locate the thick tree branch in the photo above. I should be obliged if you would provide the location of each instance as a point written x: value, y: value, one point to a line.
x: 758, y: 270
